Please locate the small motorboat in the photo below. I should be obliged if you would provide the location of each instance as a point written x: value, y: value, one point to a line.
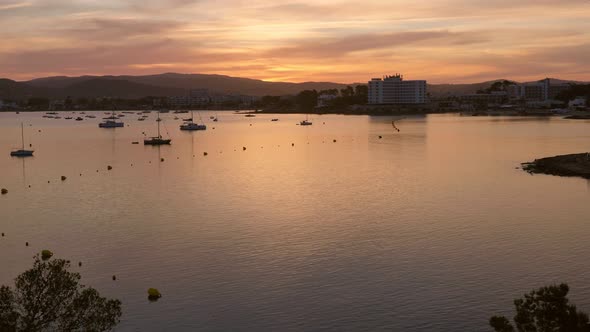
x: 274, y: 120
x: 79, y: 119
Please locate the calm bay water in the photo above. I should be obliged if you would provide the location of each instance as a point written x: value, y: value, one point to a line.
x: 428, y: 229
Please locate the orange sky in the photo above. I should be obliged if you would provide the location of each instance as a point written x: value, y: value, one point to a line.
x: 452, y: 41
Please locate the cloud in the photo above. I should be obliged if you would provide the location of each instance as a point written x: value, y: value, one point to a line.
x: 110, y: 29
x: 343, y: 40
x: 14, y: 5
x: 341, y: 46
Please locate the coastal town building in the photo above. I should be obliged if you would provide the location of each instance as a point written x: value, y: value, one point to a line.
x: 7, y: 104
x: 578, y: 102
x: 395, y: 90
x: 543, y: 90
x: 495, y: 98
x: 195, y: 97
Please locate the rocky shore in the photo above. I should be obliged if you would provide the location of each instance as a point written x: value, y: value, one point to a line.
x: 566, y: 165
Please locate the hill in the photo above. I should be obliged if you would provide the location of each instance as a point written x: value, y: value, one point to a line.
x: 101, y: 87
x: 174, y: 84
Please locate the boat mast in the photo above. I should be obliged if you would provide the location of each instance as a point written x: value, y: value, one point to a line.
x: 158, y: 121
x: 22, y: 134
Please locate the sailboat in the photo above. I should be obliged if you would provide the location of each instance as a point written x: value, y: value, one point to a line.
x: 111, y: 122
x: 22, y: 152
x: 190, y: 125
x: 157, y: 140
x: 306, y: 122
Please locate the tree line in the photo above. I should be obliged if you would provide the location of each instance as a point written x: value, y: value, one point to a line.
x: 307, y: 100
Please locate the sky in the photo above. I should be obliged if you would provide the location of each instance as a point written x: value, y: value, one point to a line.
x: 442, y: 41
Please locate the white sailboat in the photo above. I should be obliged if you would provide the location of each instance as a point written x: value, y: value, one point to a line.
x: 111, y: 122
x: 190, y: 125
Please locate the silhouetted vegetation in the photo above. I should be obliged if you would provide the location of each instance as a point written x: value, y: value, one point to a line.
x: 306, y: 100
x: 49, y: 297
x: 309, y: 100
x: 575, y: 90
x: 38, y: 103
x: 497, y: 86
x: 546, y: 309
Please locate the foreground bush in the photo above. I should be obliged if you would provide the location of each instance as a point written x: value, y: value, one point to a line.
x: 49, y: 298
x: 546, y: 309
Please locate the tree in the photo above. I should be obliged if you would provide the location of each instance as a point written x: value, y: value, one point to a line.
x: 347, y: 92
x: 361, y: 94
x: 49, y: 297
x: 38, y: 102
x: 331, y: 92
x: 574, y: 90
x: 546, y: 309
x: 307, y: 99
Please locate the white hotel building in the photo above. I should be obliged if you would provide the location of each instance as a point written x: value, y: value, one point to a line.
x: 394, y: 90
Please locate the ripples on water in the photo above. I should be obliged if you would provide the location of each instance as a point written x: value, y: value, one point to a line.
x: 429, y: 229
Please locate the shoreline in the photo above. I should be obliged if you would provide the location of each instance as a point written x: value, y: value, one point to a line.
x: 355, y: 111
x: 576, y: 165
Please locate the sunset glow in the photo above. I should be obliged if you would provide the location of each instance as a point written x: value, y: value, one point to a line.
x: 454, y: 41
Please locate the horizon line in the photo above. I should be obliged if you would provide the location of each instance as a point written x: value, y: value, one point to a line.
x: 288, y: 82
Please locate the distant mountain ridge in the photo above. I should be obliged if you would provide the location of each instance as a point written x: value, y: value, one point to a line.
x: 171, y: 84
x: 174, y: 84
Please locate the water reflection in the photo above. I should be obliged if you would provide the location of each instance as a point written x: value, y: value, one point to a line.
x: 429, y: 228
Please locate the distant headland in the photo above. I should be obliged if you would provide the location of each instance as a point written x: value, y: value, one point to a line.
x: 564, y: 165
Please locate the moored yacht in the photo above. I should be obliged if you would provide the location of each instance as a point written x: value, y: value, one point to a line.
x: 190, y: 125
x: 306, y: 122
x: 22, y: 152
x: 111, y: 122
x: 157, y: 140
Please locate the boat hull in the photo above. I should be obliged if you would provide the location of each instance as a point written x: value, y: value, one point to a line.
x: 191, y: 127
x: 111, y: 125
x: 157, y: 142
x: 22, y: 153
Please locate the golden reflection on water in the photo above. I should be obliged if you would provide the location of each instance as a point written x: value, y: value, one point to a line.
x: 298, y: 231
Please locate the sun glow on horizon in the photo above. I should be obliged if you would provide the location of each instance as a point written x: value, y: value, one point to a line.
x: 455, y: 41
